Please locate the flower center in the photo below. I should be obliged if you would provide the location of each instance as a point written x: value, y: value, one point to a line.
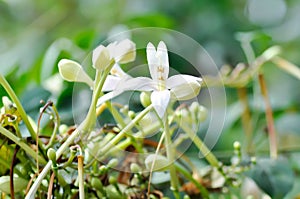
x: 161, y: 79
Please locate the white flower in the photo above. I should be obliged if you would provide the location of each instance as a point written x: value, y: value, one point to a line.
x: 180, y: 87
x: 120, y: 52
x: 73, y: 72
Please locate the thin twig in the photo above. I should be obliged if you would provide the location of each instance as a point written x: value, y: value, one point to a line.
x: 11, y: 173
x: 50, y: 188
x: 246, y: 118
x: 269, y: 117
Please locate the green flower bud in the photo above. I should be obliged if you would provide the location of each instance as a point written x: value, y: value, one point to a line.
x: 145, y: 99
x: 135, y: 168
x: 186, y: 197
x: 237, y: 145
x: 202, y: 113
x: 112, y: 180
x: 131, y: 114
x: 103, y: 169
x: 96, y: 183
x: 51, y: 153
x: 113, y: 163
x: 63, y: 128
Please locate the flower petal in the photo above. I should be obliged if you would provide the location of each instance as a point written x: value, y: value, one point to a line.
x: 108, y: 96
x: 160, y: 101
x: 178, y: 80
x: 101, y: 58
x: 125, y: 51
x: 153, y: 62
x: 162, y: 55
x: 73, y: 72
x: 117, y: 71
x: 111, y: 83
x: 138, y: 84
x: 186, y: 91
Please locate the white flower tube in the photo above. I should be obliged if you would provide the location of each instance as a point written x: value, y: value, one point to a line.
x: 73, y: 72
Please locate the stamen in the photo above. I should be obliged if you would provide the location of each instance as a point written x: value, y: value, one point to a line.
x: 161, y: 78
x: 160, y: 69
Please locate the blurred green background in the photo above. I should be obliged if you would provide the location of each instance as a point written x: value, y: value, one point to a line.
x: 35, y: 35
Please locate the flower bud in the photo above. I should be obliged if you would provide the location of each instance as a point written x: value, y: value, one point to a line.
x: 51, y: 154
x: 131, y: 114
x: 112, y: 180
x: 237, y: 145
x: 161, y: 163
x: 73, y: 72
x: 96, y: 183
x: 145, y: 99
x: 112, y: 163
x: 135, y: 168
x: 101, y: 58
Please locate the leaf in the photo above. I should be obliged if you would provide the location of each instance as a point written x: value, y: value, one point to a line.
x: 31, y: 99
x: 53, y: 52
x: 274, y: 177
x: 19, y: 184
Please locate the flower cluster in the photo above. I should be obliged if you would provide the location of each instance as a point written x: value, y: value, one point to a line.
x: 162, y: 87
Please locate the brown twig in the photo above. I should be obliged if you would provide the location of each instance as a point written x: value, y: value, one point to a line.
x: 246, y: 117
x: 50, y: 188
x: 11, y: 173
x: 269, y: 117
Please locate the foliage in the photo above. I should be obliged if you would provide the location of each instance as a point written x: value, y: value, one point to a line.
x: 254, y: 47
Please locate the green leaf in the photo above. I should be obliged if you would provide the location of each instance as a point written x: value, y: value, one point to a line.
x: 274, y: 177
x: 19, y: 184
x: 31, y: 99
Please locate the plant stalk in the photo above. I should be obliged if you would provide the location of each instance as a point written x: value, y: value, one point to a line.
x: 23, y: 145
x: 213, y: 161
x: 269, y: 117
x: 171, y: 158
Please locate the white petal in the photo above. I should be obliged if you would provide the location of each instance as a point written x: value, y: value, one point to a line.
x: 160, y: 101
x: 153, y: 62
x: 178, y: 80
x: 111, y: 83
x: 101, y: 58
x: 117, y: 71
x: 107, y: 97
x: 137, y: 84
x: 186, y: 91
x: 162, y: 54
x: 73, y: 72
x: 125, y: 51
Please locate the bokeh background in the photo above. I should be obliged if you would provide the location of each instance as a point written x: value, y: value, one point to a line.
x: 35, y: 35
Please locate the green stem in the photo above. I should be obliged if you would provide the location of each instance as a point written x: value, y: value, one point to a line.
x: 20, y: 108
x: 84, y: 127
x: 125, y: 130
x: 119, y: 119
x: 23, y: 145
x: 201, y: 188
x: 171, y: 158
x: 56, y: 126
x: 213, y: 161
